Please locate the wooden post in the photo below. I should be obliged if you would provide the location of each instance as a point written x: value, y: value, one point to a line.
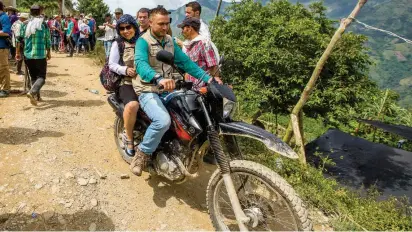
x: 218, y: 8
x: 318, y: 69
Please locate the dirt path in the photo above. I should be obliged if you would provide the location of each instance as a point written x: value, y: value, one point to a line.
x: 46, y: 152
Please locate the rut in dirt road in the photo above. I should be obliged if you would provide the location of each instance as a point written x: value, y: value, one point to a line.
x: 60, y: 169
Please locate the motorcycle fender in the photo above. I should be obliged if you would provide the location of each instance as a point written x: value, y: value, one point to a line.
x: 116, y: 105
x: 272, y: 142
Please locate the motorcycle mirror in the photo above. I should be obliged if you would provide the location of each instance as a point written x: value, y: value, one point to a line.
x: 165, y: 57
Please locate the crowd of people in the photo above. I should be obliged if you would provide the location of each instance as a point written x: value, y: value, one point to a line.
x: 131, y: 44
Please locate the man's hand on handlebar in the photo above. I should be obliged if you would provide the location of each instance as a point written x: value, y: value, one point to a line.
x: 217, y: 79
x: 168, y: 84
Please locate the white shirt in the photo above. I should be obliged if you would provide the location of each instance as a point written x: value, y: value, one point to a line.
x: 110, y: 33
x: 114, y: 58
x: 204, y: 30
x: 16, y: 31
x: 84, y: 28
x: 115, y: 31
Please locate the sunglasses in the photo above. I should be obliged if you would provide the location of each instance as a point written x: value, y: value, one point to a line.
x: 128, y: 28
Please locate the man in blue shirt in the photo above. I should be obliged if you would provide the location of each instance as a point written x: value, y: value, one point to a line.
x: 92, y: 35
x: 153, y: 72
x: 5, y: 32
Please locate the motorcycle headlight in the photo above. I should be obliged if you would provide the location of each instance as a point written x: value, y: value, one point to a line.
x: 229, y: 108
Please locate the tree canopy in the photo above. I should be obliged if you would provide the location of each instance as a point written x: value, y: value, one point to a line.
x: 273, y: 49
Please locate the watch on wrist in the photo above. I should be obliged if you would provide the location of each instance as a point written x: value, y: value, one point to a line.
x: 157, y: 78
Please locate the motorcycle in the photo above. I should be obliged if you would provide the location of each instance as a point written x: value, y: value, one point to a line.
x: 241, y: 195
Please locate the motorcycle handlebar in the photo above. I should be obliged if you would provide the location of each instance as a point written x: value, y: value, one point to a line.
x: 179, y: 85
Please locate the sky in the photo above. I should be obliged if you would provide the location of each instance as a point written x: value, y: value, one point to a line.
x: 132, y: 6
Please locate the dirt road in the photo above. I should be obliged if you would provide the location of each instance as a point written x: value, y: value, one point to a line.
x: 51, y: 156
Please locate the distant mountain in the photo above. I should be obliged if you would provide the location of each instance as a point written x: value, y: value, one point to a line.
x: 393, y: 57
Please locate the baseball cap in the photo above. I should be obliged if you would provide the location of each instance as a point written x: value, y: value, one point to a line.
x: 118, y: 10
x: 191, y: 22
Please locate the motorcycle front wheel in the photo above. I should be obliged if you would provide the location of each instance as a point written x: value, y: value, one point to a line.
x: 265, y: 197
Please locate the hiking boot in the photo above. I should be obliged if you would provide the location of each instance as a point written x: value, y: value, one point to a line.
x: 39, y: 99
x: 3, y: 94
x: 138, y: 163
x: 32, y: 98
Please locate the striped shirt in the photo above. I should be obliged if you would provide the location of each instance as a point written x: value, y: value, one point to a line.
x: 36, y: 46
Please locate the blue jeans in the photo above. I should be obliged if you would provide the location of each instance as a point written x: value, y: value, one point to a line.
x: 55, y: 40
x: 107, y: 47
x: 156, y: 111
x: 75, y: 39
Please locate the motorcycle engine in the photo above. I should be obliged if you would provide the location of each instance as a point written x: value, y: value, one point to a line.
x: 165, y: 165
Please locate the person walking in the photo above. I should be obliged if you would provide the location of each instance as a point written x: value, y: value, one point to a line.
x: 92, y: 35
x: 16, y: 27
x: 36, y: 37
x: 5, y: 31
x: 70, y: 35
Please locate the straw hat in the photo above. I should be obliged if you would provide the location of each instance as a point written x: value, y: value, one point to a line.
x: 24, y: 15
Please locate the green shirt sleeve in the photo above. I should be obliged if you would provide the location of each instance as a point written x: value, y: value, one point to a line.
x: 22, y: 33
x: 47, y: 38
x: 141, y: 60
x: 146, y: 72
x: 184, y: 62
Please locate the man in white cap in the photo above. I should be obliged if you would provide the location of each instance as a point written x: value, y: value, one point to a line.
x: 16, y: 34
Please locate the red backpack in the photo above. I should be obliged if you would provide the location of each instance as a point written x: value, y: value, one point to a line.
x: 109, y: 79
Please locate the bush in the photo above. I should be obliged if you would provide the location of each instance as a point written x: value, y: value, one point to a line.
x: 348, y: 209
x: 98, y: 55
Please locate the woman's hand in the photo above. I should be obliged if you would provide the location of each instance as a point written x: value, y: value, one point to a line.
x: 131, y: 72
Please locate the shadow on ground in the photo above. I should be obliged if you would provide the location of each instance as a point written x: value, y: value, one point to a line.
x: 52, y: 74
x: 49, y: 104
x: 19, y: 135
x: 89, y: 220
x: 192, y: 192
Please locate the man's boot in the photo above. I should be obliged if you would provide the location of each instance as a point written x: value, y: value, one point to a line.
x: 33, y: 94
x: 138, y: 163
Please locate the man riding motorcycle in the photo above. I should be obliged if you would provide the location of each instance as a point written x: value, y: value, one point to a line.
x: 154, y: 73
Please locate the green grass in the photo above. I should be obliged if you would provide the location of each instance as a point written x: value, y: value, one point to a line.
x: 98, y: 55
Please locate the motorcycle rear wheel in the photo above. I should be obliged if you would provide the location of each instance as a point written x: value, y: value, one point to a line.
x: 118, y: 131
x: 265, y: 197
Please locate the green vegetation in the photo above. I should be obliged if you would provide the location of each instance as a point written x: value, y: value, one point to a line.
x: 386, y: 70
x: 271, y: 51
x: 95, y: 7
x: 347, y: 209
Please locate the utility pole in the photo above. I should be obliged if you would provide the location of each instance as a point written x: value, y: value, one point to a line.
x: 14, y: 4
x: 63, y: 8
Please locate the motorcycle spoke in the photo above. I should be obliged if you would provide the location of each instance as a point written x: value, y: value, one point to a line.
x: 270, y: 208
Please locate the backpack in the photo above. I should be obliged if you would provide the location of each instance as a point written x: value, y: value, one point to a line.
x: 109, y: 79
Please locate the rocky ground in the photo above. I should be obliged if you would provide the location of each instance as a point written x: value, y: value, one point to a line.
x: 60, y: 169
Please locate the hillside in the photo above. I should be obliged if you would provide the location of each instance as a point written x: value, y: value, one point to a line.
x: 392, y: 57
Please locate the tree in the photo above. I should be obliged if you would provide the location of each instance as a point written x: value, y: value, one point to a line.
x: 51, y: 7
x: 273, y: 49
x: 95, y: 7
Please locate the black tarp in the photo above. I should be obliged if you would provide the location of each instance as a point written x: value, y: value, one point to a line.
x: 403, y: 131
x: 363, y: 163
